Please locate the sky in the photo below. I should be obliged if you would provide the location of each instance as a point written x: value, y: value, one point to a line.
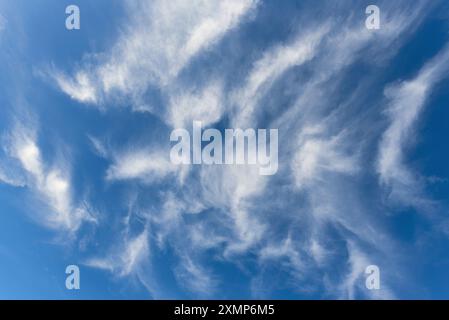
x: 85, y: 172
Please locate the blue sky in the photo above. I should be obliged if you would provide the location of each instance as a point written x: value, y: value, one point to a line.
x: 86, y: 178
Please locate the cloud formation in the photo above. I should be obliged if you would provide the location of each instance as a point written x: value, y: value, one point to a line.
x: 322, y: 153
x: 406, y: 102
x: 161, y: 40
x: 320, y: 78
x: 50, y: 183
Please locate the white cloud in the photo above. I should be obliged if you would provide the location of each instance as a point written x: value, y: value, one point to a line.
x: 345, y: 44
x: 195, y: 277
x: 10, y: 175
x: 270, y: 67
x: 354, y: 281
x: 238, y: 195
x: 80, y: 88
x: 142, y: 165
x: 231, y: 189
x: 322, y: 157
x: 221, y: 196
x: 406, y: 101
x: 318, y: 156
x: 205, y: 106
x: 169, y: 219
x: 284, y: 250
x: 160, y: 42
x: 318, y: 252
x: 52, y: 184
x: 127, y: 258
x: 98, y: 146
x: 161, y: 39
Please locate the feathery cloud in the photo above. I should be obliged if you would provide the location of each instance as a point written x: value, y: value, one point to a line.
x: 406, y: 101
x: 127, y: 258
x: 51, y: 183
x: 160, y: 42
